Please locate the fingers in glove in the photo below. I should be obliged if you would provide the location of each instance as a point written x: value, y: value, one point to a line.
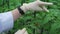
x: 38, y: 8
x: 45, y: 9
x: 26, y: 32
x: 23, y: 30
x: 44, y: 3
x: 18, y: 32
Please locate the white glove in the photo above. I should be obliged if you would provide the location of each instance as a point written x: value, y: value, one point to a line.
x: 23, y: 31
x: 35, y: 6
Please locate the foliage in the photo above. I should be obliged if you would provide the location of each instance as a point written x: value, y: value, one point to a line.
x: 38, y: 22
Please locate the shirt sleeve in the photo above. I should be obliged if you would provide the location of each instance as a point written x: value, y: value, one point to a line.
x: 6, y: 21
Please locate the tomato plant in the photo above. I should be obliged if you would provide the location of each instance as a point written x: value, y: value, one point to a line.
x: 37, y: 22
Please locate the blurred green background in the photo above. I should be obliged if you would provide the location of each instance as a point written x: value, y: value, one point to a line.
x: 35, y: 22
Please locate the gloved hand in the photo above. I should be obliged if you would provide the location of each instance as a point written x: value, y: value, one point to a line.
x: 23, y: 31
x: 35, y: 6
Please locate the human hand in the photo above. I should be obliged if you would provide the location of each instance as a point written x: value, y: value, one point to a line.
x: 23, y: 31
x: 35, y: 6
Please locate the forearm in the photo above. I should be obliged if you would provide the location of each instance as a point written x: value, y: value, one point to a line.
x: 15, y: 14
